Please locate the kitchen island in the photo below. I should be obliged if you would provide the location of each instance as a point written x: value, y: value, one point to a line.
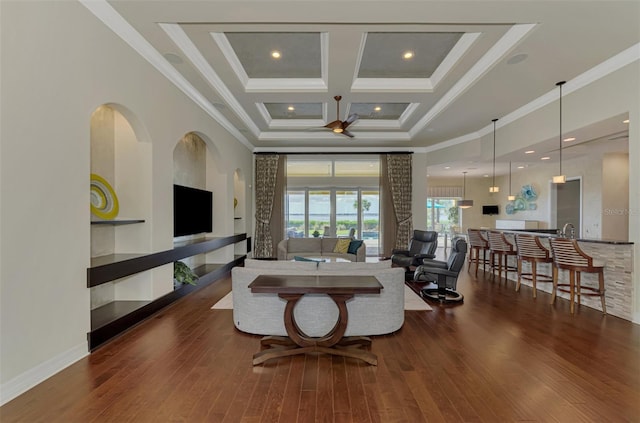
x: 618, y: 272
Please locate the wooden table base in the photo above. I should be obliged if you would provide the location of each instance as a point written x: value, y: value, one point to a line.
x: 283, y: 346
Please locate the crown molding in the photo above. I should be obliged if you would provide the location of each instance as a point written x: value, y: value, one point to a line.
x: 495, y: 53
x: 182, y: 40
x: 114, y: 21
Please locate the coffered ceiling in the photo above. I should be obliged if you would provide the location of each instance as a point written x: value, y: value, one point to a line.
x: 470, y: 62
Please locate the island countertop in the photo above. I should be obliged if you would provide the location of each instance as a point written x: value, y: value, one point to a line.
x: 547, y: 234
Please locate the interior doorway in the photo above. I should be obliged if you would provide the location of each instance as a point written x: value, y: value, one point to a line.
x: 569, y: 205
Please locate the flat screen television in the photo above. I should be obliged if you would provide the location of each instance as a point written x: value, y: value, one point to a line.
x: 192, y: 210
x: 490, y: 210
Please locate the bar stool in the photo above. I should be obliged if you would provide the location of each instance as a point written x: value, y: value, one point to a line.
x: 477, y: 243
x: 568, y: 255
x: 531, y: 250
x: 501, y: 248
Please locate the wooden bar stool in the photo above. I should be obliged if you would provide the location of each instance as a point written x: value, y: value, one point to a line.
x: 531, y: 250
x: 501, y: 248
x: 568, y: 255
x: 477, y: 243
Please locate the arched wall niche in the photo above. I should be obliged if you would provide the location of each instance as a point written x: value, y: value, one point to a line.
x: 121, y: 153
x: 197, y: 163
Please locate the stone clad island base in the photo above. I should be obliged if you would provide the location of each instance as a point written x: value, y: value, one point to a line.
x: 292, y: 288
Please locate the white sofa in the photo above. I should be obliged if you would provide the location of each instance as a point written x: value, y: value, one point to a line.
x: 316, y: 314
x: 316, y: 247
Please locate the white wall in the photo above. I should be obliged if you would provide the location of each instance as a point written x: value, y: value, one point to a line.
x: 59, y: 63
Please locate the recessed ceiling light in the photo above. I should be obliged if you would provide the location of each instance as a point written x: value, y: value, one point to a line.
x: 291, y: 108
x: 545, y: 158
x: 625, y: 121
x: 276, y: 54
x: 569, y: 139
x: 520, y: 167
x: 447, y: 167
x: 517, y: 58
x: 486, y: 176
x: 529, y: 151
x: 173, y: 58
x: 377, y: 109
x: 407, y: 55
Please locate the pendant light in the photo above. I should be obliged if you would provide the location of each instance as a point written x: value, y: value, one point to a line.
x: 510, y: 197
x: 494, y: 188
x: 464, y: 204
x: 560, y: 178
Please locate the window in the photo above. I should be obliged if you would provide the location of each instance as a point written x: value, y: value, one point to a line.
x: 333, y: 196
x: 442, y: 216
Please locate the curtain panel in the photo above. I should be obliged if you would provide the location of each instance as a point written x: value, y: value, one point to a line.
x: 265, y: 183
x: 400, y: 186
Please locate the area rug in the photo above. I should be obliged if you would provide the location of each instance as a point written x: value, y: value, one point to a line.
x: 411, y: 301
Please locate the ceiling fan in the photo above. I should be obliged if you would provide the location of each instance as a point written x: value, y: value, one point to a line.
x: 340, y: 126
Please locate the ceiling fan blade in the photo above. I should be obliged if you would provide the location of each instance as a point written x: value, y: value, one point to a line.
x: 352, y: 118
x: 347, y: 133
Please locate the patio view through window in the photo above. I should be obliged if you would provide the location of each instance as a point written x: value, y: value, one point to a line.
x: 443, y: 216
x: 331, y: 197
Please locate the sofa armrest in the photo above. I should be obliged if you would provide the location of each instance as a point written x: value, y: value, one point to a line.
x: 361, y: 253
x: 282, y: 249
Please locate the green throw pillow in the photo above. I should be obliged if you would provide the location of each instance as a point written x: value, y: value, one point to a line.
x: 353, y: 246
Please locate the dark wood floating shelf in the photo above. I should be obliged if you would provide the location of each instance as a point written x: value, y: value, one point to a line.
x: 115, y: 266
x: 117, y: 222
x: 114, y: 318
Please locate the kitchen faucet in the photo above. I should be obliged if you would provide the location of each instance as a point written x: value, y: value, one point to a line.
x: 572, y: 233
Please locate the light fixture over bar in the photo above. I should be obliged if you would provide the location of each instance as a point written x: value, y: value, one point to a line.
x: 464, y: 204
x: 560, y: 179
x: 510, y: 197
x: 494, y: 188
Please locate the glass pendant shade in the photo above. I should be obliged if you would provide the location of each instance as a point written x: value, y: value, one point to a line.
x: 465, y: 204
x: 560, y: 178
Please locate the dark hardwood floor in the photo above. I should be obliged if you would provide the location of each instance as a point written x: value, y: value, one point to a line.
x: 499, y: 357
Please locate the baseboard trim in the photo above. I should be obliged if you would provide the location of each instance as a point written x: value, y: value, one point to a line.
x: 27, y: 380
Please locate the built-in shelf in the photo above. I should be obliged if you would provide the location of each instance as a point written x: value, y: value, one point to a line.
x: 117, y: 222
x: 115, y: 266
x: 237, y: 218
x: 116, y: 317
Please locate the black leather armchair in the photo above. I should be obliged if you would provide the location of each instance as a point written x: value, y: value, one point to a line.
x: 443, y: 273
x: 422, y: 245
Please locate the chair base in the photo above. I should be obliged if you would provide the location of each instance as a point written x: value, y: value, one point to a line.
x: 447, y: 295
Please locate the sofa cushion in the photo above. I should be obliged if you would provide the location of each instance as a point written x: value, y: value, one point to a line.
x: 342, y: 246
x: 328, y: 245
x: 304, y: 245
x: 354, y: 245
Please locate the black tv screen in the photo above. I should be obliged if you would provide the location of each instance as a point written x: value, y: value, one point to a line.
x: 490, y: 210
x: 192, y: 210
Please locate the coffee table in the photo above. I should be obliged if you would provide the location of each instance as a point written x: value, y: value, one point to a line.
x: 293, y: 287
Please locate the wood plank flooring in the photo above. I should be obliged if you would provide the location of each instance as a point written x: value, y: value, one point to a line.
x: 501, y: 356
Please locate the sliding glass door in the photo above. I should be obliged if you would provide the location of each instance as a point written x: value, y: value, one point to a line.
x: 334, y: 212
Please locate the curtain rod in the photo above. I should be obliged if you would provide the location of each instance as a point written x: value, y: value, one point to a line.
x: 335, y: 153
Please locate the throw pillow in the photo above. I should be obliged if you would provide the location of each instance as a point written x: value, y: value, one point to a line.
x: 353, y: 246
x: 342, y: 246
